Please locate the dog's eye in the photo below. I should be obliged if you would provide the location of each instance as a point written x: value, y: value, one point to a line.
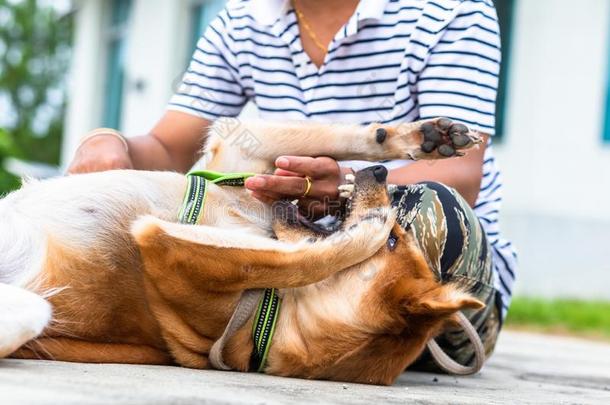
x: 392, y: 241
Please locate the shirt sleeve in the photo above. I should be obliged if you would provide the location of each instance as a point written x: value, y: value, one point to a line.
x: 211, y: 87
x: 460, y: 77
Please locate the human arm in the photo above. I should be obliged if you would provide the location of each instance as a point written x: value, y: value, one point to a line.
x: 173, y: 144
x: 464, y: 174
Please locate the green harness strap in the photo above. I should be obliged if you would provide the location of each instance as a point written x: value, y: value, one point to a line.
x: 223, y: 179
x: 194, y: 198
x: 266, y: 316
x: 263, y: 328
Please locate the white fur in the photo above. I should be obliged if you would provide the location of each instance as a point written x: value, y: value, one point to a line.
x: 319, y: 301
x: 89, y: 210
x: 21, y: 245
x: 23, y: 317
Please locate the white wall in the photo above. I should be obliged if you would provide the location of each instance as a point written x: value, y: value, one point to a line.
x: 557, y: 171
x: 86, y: 73
x: 157, y: 45
x: 156, y: 58
x: 556, y: 109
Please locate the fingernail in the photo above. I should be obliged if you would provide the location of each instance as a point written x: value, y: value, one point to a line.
x: 255, y: 182
x: 282, y: 163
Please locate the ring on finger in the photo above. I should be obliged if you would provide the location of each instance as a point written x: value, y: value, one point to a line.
x: 308, y: 186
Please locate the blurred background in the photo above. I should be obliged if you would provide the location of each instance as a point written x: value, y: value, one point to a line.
x: 67, y: 67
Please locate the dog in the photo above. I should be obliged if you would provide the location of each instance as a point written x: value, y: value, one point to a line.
x: 96, y: 267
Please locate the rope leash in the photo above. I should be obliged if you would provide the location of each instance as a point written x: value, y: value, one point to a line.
x: 451, y: 366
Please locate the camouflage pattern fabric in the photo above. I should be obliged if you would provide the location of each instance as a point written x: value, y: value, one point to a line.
x: 455, y: 246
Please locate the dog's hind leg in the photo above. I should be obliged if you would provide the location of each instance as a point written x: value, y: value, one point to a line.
x: 23, y: 317
x: 74, y: 350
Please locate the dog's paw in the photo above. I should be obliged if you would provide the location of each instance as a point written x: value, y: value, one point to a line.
x: 443, y: 138
x: 23, y: 317
x: 439, y: 138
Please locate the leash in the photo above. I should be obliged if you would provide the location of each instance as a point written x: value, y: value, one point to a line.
x: 265, y: 302
x: 246, y: 306
x: 451, y: 366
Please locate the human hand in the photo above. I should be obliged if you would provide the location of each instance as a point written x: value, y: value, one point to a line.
x: 289, y: 181
x: 100, y: 153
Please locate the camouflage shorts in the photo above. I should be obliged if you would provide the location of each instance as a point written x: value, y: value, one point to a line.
x: 456, y: 249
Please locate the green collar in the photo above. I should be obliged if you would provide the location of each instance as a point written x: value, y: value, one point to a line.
x: 194, y: 198
x: 269, y: 306
x: 263, y: 328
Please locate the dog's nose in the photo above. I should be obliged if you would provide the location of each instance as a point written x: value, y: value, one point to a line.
x: 380, y: 173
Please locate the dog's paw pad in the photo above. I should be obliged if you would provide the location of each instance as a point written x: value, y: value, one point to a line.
x: 381, y: 135
x: 447, y: 137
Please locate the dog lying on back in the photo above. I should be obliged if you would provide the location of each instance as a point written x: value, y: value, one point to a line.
x: 95, y: 268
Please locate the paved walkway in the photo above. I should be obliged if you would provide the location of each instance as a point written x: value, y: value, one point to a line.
x: 526, y: 368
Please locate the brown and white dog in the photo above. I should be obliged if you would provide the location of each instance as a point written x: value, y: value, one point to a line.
x: 95, y: 268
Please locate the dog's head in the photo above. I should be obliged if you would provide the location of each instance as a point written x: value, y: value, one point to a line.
x: 370, y: 322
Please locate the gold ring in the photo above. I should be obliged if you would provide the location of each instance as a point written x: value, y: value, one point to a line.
x: 308, y: 187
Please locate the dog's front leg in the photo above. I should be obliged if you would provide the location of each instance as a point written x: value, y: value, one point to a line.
x: 227, y: 260
x: 431, y: 139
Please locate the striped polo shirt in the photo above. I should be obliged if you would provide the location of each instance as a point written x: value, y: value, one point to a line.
x: 393, y: 61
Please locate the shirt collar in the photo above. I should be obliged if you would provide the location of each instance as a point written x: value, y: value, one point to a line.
x: 267, y: 12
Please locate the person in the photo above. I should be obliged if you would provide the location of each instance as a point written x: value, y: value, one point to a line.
x: 364, y: 61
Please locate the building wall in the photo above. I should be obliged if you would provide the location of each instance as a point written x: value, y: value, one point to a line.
x: 556, y: 167
x: 85, y: 87
x: 155, y: 60
x: 154, y: 64
x: 557, y: 171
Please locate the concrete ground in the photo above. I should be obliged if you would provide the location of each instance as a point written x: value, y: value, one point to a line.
x: 526, y: 368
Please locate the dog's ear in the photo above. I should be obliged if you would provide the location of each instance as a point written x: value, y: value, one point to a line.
x: 441, y: 300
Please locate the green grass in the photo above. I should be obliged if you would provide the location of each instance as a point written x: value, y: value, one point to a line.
x: 582, y: 318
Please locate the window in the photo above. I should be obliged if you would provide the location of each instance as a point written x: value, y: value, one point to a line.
x: 505, y: 10
x: 202, y: 15
x: 115, y: 67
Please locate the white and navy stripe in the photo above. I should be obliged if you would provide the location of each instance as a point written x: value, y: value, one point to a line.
x: 394, y: 61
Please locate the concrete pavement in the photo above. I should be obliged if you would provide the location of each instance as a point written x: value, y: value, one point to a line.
x: 526, y: 369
